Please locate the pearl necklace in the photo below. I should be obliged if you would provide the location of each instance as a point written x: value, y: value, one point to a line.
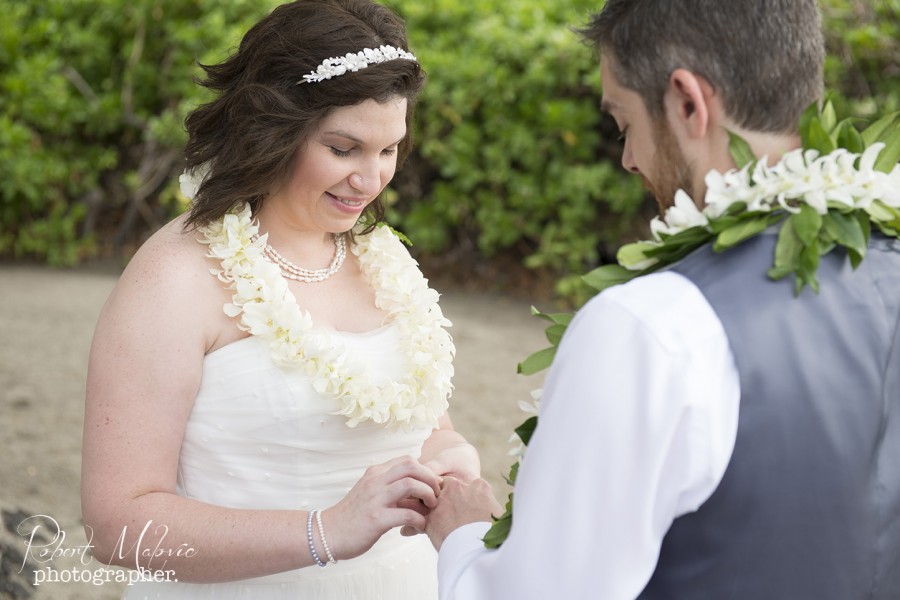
x: 292, y: 271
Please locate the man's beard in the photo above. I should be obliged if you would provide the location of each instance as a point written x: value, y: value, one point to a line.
x: 672, y: 169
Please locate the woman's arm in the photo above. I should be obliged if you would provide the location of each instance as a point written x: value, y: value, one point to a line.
x: 446, y: 452
x: 144, y: 373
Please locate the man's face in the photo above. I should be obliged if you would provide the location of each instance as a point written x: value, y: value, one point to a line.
x: 651, y: 149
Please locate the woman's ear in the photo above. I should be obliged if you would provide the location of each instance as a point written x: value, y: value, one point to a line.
x: 691, y: 104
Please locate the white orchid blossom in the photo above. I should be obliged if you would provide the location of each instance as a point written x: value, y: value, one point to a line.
x: 189, y: 181
x: 684, y: 214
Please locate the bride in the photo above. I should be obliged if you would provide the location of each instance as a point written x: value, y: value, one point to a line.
x: 268, y: 382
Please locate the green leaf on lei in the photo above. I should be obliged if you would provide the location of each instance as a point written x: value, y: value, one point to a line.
x: 740, y: 150
x: 400, y: 235
x: 631, y: 256
x: 866, y: 225
x: 537, y: 362
x: 734, y: 215
x: 828, y: 116
x: 690, y: 235
x: 873, y: 132
x: 557, y: 318
x: 787, y: 252
x: 807, y: 224
x: 847, y: 231
x: 887, y: 218
x: 678, y: 246
x: 513, y: 473
x: 820, y: 139
x: 742, y: 229
x: 848, y: 137
x: 608, y: 276
x: 806, y: 271
x: 554, y: 333
x: 889, y: 156
x: 499, y: 530
x: 526, y: 429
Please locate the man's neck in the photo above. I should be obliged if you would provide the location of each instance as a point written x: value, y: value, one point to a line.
x: 770, y: 145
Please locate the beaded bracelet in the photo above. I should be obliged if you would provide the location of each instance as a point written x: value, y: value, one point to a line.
x: 309, y: 536
x: 328, y: 553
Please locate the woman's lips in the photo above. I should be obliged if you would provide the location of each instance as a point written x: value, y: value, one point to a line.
x: 349, y: 204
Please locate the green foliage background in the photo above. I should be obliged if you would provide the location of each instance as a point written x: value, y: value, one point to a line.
x: 513, y: 157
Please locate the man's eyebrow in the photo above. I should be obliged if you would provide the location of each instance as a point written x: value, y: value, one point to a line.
x: 607, y: 105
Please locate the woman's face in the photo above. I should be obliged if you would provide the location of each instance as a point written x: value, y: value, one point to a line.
x: 347, y: 161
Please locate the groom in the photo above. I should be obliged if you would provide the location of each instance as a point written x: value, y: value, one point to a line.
x: 705, y: 434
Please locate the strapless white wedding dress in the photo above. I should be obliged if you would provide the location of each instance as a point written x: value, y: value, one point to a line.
x: 260, y: 437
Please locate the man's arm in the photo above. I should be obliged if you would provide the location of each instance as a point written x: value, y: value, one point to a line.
x: 637, y: 425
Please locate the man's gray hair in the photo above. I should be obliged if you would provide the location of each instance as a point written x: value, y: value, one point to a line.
x: 765, y: 57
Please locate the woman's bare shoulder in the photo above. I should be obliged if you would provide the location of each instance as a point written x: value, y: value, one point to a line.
x: 168, y: 279
x: 174, y: 251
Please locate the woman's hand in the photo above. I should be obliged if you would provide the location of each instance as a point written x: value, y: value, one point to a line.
x: 397, y: 493
x: 457, y: 458
x: 446, y: 452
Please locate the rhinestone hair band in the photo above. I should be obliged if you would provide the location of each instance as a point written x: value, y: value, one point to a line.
x: 333, y: 67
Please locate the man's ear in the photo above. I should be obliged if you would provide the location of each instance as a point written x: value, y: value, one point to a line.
x: 691, y: 104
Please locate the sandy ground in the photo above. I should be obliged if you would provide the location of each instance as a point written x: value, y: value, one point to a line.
x: 46, y: 323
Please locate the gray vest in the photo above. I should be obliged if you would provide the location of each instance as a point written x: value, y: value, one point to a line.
x: 809, y: 508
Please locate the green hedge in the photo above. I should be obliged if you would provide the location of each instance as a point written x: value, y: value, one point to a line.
x: 512, y: 153
x: 863, y: 62
x: 509, y: 130
x: 92, y: 99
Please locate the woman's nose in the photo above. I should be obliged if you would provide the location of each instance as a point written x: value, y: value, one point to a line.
x: 366, y: 180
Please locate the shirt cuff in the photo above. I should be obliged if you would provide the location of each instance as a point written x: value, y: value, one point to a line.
x: 460, y: 548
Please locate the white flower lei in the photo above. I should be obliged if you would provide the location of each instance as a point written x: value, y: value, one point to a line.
x: 815, y: 194
x: 800, y: 176
x: 270, y: 311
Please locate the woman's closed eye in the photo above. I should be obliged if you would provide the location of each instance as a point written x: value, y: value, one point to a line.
x: 345, y: 153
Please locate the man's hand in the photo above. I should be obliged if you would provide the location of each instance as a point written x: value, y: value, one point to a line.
x: 460, y: 503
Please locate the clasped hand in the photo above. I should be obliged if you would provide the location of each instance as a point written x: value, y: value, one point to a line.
x: 435, y: 498
x: 460, y: 502
x: 464, y: 497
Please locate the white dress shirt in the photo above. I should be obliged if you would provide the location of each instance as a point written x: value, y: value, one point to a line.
x: 637, y: 425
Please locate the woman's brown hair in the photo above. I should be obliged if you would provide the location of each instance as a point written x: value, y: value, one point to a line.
x: 261, y: 118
